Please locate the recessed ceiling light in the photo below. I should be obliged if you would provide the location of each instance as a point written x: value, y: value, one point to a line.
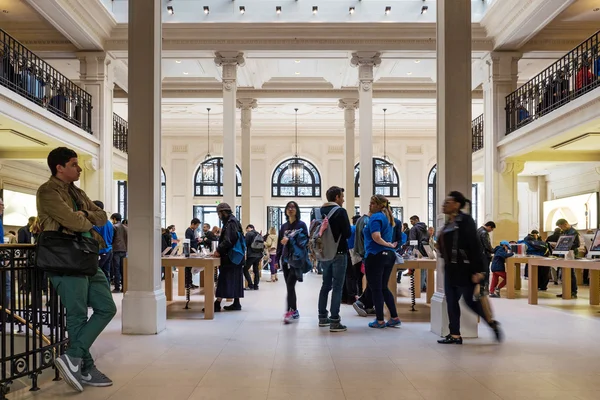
x: 185, y: 73
x: 297, y: 61
x: 178, y: 61
x: 242, y: 9
x: 409, y: 73
x: 417, y: 61
x: 297, y: 73
x: 278, y: 9
x: 170, y: 10
x: 351, y: 10
x: 388, y: 9
x: 424, y: 9
x: 315, y: 9
x: 206, y: 10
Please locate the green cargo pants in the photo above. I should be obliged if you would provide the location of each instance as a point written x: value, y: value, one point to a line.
x: 77, y: 294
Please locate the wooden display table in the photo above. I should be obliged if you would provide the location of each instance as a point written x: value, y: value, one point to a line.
x: 417, y: 265
x: 566, y: 265
x: 207, y: 278
x: 513, y: 274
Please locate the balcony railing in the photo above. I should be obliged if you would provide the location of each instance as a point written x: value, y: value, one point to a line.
x: 572, y: 76
x: 477, y: 133
x: 120, y: 131
x: 32, y: 320
x: 28, y: 75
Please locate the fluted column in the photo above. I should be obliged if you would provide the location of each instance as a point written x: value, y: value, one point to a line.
x: 144, y: 304
x: 349, y: 106
x: 246, y: 105
x: 366, y: 62
x: 229, y: 61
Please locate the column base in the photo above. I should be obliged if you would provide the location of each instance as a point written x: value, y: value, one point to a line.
x: 144, y: 313
x: 439, y: 318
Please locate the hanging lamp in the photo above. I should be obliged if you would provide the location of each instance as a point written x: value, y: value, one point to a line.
x: 384, y: 169
x: 296, y: 167
x: 208, y: 166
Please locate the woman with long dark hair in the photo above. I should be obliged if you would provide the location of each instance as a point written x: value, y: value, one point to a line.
x: 464, y: 266
x: 380, y: 257
x: 284, y: 247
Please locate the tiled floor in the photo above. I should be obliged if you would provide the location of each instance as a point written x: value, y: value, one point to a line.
x: 549, y: 353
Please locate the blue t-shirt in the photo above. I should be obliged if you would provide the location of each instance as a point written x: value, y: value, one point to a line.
x: 378, y: 222
x: 2, y: 228
x: 174, y: 236
x: 107, y: 232
x: 352, y: 236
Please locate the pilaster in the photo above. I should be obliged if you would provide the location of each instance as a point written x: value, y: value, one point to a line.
x: 349, y: 106
x: 246, y: 106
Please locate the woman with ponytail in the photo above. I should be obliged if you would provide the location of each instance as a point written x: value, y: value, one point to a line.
x: 379, y: 259
x: 464, y: 265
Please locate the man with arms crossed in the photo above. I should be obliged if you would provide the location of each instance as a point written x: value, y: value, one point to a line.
x: 61, y: 204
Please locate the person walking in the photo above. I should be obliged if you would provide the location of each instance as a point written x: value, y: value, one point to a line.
x: 120, y: 250
x: 107, y: 231
x: 62, y: 205
x: 380, y: 257
x: 334, y: 270
x: 464, y: 266
x: 284, y: 248
x: 271, y: 246
x: 254, y: 256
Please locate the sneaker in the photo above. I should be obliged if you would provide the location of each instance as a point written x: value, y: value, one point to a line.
x: 370, y: 311
x: 296, y: 315
x: 96, y: 378
x: 323, y: 322
x: 233, y: 307
x: 393, y: 323
x: 288, y: 317
x: 336, y: 326
x: 450, y: 340
x: 117, y: 290
x: 70, y: 370
x: 255, y: 287
x: 497, y: 292
x: 494, y: 295
x: 375, y: 324
x: 495, y: 325
x: 360, y: 308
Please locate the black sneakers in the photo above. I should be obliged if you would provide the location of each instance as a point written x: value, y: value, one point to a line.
x: 450, y: 340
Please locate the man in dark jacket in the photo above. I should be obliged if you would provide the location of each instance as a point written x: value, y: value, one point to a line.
x: 24, y: 233
x: 483, y: 233
x: 334, y: 271
x: 419, y: 233
x: 190, y: 234
x: 567, y: 230
x: 253, y: 257
x: 119, y: 250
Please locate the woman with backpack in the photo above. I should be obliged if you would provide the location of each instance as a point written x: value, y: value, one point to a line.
x: 284, y: 250
x: 380, y: 256
x: 460, y: 247
x: 271, y: 247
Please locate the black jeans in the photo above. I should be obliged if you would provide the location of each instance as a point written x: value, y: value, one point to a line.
x: 353, y: 280
x: 117, y: 267
x: 453, y: 295
x: 543, y: 277
x: 255, y: 264
x: 378, y: 268
x: 290, y: 283
x: 104, y: 264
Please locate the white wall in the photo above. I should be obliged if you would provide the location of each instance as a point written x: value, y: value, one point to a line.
x: 529, y: 205
x: 413, y: 157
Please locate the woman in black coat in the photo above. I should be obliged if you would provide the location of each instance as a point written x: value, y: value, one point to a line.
x: 464, y: 265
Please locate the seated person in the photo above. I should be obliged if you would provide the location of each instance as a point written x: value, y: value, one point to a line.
x: 501, y: 253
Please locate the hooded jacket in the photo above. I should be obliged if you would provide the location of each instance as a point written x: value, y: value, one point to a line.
x: 499, y: 261
x: 419, y: 233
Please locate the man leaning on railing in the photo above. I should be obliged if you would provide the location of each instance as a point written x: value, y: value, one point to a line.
x: 63, y: 206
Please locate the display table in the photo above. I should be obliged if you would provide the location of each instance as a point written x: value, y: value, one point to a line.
x: 566, y: 265
x: 207, y: 278
x: 513, y: 273
x: 418, y: 265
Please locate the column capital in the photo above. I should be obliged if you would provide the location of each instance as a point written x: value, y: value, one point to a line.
x: 509, y: 166
x: 95, y: 65
x: 348, y: 104
x: 246, y: 104
x: 502, y: 66
x: 366, y: 59
x: 223, y: 58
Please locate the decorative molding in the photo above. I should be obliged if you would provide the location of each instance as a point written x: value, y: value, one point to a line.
x: 179, y: 148
x: 91, y: 164
x: 335, y: 149
x: 258, y: 149
x: 414, y: 149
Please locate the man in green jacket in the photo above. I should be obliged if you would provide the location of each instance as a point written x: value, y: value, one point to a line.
x: 62, y: 204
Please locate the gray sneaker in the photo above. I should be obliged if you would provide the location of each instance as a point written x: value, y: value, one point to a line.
x: 360, y: 308
x: 70, y: 370
x: 336, y: 326
x: 324, y: 321
x: 96, y: 378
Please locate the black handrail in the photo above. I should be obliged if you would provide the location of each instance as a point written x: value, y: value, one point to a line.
x: 120, y: 131
x: 31, y: 315
x: 477, y: 133
x: 570, y: 77
x: 28, y: 75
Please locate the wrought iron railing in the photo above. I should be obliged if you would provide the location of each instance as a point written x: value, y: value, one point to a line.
x: 28, y: 75
x: 32, y: 319
x: 477, y: 133
x: 120, y: 131
x: 572, y: 76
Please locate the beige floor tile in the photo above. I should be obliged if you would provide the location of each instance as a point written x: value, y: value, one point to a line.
x: 450, y: 380
x: 315, y: 363
x: 307, y: 392
x: 225, y: 393
x: 514, y: 382
x: 306, y: 376
x: 146, y: 392
x: 393, y: 378
x: 161, y: 375
x: 237, y: 378
x: 536, y: 395
x: 587, y: 394
x: 382, y: 394
x: 570, y: 381
x: 470, y: 394
x: 365, y: 364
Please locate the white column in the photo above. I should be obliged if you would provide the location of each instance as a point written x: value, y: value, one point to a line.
x: 501, y: 205
x: 365, y: 61
x: 246, y: 105
x: 349, y: 106
x: 97, y: 78
x: 144, y: 304
x: 542, y: 196
x: 229, y: 60
x: 454, y: 156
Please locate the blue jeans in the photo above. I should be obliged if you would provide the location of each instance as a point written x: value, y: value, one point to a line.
x: 334, y: 274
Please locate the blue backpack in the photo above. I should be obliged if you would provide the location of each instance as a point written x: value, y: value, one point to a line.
x: 238, y: 251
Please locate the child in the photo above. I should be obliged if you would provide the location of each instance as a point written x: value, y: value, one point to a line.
x: 501, y: 253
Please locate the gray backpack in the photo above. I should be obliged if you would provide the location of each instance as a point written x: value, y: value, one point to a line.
x: 321, y: 243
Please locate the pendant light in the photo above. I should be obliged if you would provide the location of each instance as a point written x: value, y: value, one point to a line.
x: 208, y: 167
x: 296, y: 167
x: 384, y: 169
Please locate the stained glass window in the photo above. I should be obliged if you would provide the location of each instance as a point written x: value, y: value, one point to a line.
x: 391, y: 189
x: 283, y: 185
x: 213, y: 185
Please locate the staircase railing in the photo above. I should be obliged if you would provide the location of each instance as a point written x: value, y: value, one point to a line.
x: 120, y: 132
x: 572, y: 76
x: 477, y: 133
x: 31, y: 77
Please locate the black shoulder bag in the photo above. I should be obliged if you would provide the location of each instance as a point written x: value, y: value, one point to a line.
x: 64, y: 254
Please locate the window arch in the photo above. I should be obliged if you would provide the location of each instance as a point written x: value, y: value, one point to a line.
x: 202, y: 187
x: 163, y: 198
x: 431, y: 196
x: 283, y: 186
x: 391, y: 189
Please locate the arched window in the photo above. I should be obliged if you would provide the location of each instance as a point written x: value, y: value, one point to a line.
x: 431, y: 196
x: 388, y: 189
x: 208, y: 180
x: 163, y: 198
x: 283, y: 185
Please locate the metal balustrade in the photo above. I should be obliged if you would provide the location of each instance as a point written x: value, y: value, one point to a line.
x: 32, y: 319
x: 120, y: 132
x: 572, y: 76
x: 31, y: 77
x: 477, y: 133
